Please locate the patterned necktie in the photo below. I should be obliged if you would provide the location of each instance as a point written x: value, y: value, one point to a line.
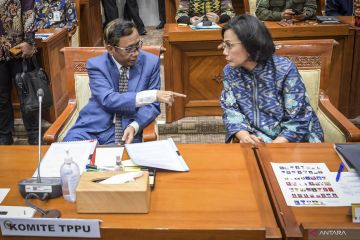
x: 123, y: 87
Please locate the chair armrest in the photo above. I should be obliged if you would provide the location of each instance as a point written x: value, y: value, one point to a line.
x: 351, y: 132
x: 150, y: 132
x: 51, y: 135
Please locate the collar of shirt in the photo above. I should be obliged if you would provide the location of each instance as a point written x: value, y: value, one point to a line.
x: 118, y: 65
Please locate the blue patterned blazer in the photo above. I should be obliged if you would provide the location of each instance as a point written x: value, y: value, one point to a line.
x: 269, y: 101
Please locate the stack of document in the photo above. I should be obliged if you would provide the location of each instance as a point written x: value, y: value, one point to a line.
x: 157, y: 154
x: 80, y: 151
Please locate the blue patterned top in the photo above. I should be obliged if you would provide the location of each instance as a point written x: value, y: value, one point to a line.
x: 269, y: 102
x: 55, y: 14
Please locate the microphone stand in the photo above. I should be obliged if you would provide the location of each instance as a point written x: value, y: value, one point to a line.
x: 205, y: 20
x: 41, y: 188
x: 40, y: 94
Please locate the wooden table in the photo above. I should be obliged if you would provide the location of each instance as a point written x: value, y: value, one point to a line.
x: 221, y: 197
x: 52, y: 61
x: 297, y: 222
x: 193, y: 65
x: 90, y: 23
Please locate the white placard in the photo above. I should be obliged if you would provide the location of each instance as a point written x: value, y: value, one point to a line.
x: 3, y: 193
x: 50, y: 227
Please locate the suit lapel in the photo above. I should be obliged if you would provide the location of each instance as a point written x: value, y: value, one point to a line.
x: 114, y: 72
x: 135, y: 73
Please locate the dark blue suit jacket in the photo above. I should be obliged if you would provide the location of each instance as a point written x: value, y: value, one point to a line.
x: 97, y: 116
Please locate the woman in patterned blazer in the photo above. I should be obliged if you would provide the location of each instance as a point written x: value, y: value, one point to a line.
x: 192, y: 11
x: 264, y: 98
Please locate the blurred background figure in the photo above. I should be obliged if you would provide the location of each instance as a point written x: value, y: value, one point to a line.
x: 55, y: 14
x: 131, y: 12
x: 339, y: 7
x: 17, y: 42
x: 111, y: 11
x: 192, y: 11
x: 276, y: 10
x: 161, y: 5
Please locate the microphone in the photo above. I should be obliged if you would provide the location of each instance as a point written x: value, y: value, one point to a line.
x: 42, y: 188
x: 205, y: 20
x: 40, y: 94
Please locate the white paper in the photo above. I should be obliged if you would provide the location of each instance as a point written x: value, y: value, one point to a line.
x: 200, y: 26
x: 80, y: 152
x: 122, y: 178
x: 349, y: 185
x: 43, y: 36
x: 3, y: 193
x: 16, y: 212
x: 308, y: 184
x: 157, y: 154
x: 106, y: 156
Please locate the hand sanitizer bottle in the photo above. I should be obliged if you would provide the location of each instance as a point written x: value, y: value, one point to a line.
x: 70, y: 176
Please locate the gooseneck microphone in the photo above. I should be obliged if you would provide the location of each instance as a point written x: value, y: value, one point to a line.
x: 40, y: 94
x: 206, y: 21
x: 42, y: 188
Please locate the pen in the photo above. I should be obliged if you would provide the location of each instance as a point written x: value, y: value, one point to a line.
x: 341, y: 168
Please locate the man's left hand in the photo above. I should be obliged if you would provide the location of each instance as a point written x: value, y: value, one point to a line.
x: 129, y: 133
x: 27, y: 49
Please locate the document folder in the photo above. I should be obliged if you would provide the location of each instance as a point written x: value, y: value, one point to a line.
x: 350, y: 155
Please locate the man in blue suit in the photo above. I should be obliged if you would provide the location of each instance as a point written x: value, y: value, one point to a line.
x: 125, y: 93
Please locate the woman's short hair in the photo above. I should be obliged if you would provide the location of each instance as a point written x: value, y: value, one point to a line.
x: 116, y: 29
x: 254, y: 36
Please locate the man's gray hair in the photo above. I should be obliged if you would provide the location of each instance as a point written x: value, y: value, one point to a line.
x: 116, y: 29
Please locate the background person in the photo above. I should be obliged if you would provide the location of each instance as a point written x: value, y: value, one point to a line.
x: 55, y: 14
x: 192, y: 11
x: 16, y: 32
x: 339, y: 7
x: 276, y: 10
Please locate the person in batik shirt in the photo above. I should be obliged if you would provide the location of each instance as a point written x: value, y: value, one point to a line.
x: 264, y: 98
x: 192, y: 11
x: 16, y: 31
x: 55, y: 14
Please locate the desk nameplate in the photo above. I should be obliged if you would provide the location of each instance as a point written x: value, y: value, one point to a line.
x: 50, y: 227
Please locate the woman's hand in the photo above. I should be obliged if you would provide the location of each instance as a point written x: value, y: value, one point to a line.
x: 246, y: 137
x: 213, y: 17
x: 280, y: 140
x: 27, y: 49
x: 167, y: 96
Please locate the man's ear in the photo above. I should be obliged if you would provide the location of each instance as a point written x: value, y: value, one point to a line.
x: 110, y: 49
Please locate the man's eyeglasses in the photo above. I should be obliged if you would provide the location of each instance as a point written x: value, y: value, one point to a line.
x: 131, y: 49
x: 228, y: 45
